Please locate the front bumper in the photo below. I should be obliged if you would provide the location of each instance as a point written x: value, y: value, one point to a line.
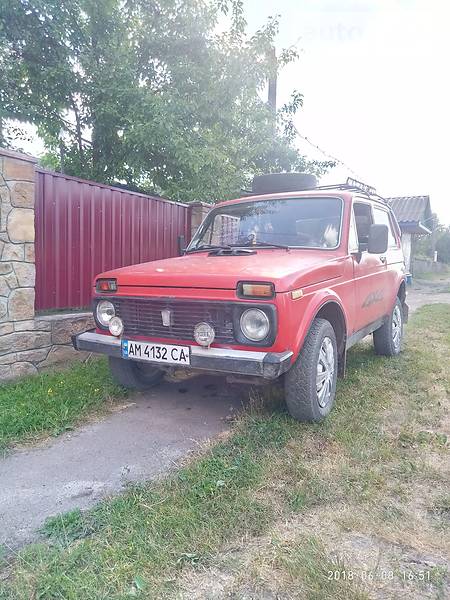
x: 268, y: 365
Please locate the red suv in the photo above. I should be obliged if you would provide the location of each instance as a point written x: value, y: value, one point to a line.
x: 279, y: 283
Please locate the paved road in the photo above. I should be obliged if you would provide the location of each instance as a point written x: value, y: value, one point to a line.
x: 137, y: 443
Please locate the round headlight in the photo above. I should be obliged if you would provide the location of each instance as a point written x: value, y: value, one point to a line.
x: 204, y: 334
x: 116, y: 326
x: 105, y: 312
x: 255, y: 324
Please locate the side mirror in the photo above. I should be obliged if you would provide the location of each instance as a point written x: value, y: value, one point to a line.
x: 181, y: 245
x: 378, y: 239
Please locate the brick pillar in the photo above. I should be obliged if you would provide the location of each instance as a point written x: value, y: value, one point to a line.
x: 17, y: 268
x: 199, y: 210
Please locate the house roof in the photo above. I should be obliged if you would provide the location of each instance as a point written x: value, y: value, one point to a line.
x: 413, y: 213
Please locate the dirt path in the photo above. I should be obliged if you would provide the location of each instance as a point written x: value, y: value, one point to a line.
x: 138, y: 443
x: 428, y: 292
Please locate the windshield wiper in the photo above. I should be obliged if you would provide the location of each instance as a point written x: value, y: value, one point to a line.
x: 207, y: 247
x: 270, y: 245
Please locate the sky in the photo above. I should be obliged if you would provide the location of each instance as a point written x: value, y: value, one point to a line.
x: 375, y: 79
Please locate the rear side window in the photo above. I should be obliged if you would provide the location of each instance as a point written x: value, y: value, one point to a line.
x: 363, y: 220
x: 381, y: 217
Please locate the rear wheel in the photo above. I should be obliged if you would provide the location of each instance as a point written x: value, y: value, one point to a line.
x: 310, y: 384
x: 387, y: 340
x: 133, y: 374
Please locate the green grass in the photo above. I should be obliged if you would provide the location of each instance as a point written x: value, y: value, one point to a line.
x: 51, y: 403
x: 432, y: 276
x: 270, y: 470
x: 439, y: 282
x: 441, y: 511
x: 322, y: 577
x: 68, y: 527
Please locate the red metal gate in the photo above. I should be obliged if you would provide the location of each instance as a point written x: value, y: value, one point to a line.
x: 84, y: 228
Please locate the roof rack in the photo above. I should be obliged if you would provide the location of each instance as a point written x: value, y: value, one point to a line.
x: 352, y: 185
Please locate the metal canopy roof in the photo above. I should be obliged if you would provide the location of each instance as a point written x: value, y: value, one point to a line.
x: 413, y: 213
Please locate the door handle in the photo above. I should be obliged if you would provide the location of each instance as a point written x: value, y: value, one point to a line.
x: 383, y: 259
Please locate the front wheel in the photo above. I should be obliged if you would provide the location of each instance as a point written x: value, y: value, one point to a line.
x: 310, y: 384
x: 387, y: 340
x: 133, y: 374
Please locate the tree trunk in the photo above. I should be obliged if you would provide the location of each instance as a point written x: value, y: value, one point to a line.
x: 2, y: 137
x: 272, y: 91
x: 96, y: 33
x: 78, y: 133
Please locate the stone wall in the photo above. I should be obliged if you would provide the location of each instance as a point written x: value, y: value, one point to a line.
x: 17, y: 271
x: 27, y: 342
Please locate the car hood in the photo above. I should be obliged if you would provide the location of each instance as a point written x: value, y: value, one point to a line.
x: 286, y: 269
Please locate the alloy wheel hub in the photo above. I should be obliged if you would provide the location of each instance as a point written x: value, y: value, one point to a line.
x: 396, y: 327
x: 325, y: 372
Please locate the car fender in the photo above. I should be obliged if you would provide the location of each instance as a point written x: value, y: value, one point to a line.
x: 312, y: 308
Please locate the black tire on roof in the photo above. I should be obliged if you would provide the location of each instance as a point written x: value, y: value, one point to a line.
x: 283, y: 182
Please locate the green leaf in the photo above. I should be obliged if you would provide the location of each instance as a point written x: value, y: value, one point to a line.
x: 152, y: 99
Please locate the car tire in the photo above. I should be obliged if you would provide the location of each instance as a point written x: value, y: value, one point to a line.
x: 310, y: 384
x: 133, y: 374
x: 387, y: 340
x: 272, y: 183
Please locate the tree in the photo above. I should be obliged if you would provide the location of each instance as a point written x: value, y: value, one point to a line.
x: 443, y: 245
x: 439, y: 240
x: 145, y: 92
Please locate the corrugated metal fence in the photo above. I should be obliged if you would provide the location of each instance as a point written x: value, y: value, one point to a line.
x: 84, y: 228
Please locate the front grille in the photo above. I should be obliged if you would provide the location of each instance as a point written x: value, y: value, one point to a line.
x: 142, y: 317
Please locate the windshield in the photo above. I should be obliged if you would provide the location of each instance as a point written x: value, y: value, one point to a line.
x: 293, y: 222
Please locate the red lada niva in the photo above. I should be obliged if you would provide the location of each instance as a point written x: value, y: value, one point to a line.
x: 275, y: 284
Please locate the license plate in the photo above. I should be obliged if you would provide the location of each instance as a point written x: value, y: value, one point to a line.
x: 163, y: 353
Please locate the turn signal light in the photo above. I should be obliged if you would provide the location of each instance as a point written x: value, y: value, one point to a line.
x: 256, y: 290
x: 106, y: 285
